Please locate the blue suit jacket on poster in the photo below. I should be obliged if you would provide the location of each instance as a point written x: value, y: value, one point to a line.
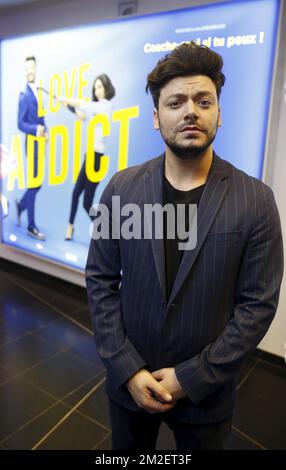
x: 28, y: 118
x: 222, y: 302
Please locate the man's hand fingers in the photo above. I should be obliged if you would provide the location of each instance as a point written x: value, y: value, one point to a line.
x: 158, y: 374
x: 160, y: 392
x: 154, y: 406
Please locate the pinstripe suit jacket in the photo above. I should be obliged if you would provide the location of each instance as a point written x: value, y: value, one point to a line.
x: 222, y: 302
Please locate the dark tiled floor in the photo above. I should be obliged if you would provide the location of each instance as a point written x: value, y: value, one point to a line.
x: 4, y: 375
x: 52, y: 386
x: 25, y: 352
x: 83, y: 317
x: 62, y: 333
x: 20, y: 402
x: 61, y: 374
x: 31, y: 432
x: 76, y: 432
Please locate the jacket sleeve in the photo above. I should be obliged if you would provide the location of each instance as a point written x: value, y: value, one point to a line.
x: 256, y: 300
x: 23, y: 123
x: 103, y: 276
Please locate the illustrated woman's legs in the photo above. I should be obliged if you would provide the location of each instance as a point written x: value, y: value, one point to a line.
x: 79, y: 187
x: 89, y: 195
x: 82, y: 184
x: 90, y: 187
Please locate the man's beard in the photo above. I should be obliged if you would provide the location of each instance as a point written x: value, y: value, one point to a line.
x: 187, y: 152
x: 31, y: 78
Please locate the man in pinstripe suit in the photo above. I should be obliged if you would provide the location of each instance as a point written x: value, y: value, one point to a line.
x: 173, y: 328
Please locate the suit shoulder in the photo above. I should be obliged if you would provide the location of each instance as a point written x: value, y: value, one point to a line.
x: 134, y: 173
x: 250, y: 183
x: 23, y: 96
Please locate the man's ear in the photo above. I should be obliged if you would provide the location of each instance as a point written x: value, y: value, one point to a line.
x: 219, y: 118
x: 156, y: 119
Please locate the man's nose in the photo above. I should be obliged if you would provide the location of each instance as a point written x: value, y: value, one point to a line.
x: 190, y: 110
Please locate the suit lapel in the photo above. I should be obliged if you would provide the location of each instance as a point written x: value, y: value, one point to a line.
x: 211, y: 200
x: 153, y: 186
x: 32, y: 95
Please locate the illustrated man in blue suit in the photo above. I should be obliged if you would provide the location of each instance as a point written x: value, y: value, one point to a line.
x: 30, y: 123
x: 174, y: 327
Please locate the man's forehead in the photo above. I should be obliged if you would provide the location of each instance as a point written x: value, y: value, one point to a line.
x: 193, y: 82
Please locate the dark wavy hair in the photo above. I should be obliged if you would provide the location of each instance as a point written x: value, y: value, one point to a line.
x: 107, y: 85
x: 31, y: 57
x: 187, y: 59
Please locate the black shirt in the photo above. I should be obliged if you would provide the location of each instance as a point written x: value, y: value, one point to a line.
x: 173, y: 255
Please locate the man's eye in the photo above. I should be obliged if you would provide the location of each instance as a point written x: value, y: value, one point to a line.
x: 204, y: 103
x: 174, y: 104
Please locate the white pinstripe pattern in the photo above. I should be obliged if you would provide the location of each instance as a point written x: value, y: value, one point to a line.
x: 223, y: 300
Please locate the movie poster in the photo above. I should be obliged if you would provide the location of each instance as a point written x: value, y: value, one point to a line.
x: 74, y: 111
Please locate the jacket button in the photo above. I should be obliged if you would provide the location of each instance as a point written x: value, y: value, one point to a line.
x: 173, y: 305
